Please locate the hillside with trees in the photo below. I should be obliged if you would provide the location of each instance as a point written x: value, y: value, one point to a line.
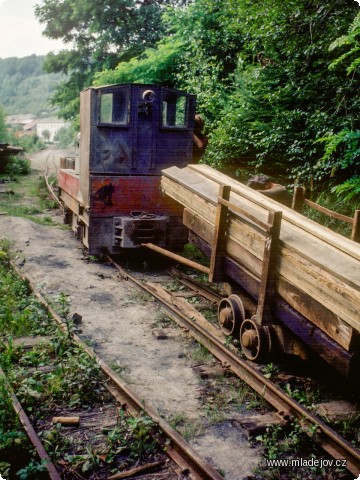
x: 277, y: 82
x: 25, y: 87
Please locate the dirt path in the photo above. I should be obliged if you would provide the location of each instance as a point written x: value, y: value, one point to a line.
x: 121, y: 324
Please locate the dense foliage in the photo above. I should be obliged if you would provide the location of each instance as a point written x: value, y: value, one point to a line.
x: 99, y: 35
x: 25, y: 87
x: 277, y: 81
x: 3, y: 130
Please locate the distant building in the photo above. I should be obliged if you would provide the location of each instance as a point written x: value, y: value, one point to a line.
x: 30, y: 128
x: 48, y: 128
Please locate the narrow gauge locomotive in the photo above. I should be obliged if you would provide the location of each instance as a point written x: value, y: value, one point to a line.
x: 129, y: 133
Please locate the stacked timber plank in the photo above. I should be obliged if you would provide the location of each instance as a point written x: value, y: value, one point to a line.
x: 317, y: 272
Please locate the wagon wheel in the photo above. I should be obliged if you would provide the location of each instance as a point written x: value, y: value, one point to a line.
x: 231, y: 314
x: 255, y: 340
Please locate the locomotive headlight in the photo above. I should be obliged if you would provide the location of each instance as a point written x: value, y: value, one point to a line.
x: 148, y: 96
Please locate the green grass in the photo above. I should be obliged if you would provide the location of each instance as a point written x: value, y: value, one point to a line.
x: 73, y: 381
x: 30, y: 199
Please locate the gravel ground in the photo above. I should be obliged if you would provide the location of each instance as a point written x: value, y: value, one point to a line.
x: 121, y: 324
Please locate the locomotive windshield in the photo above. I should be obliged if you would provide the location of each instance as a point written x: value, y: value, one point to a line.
x: 114, y: 108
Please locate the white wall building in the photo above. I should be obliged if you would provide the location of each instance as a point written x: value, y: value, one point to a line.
x: 51, y: 125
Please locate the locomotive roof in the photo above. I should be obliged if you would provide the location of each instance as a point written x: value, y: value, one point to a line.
x: 147, y: 85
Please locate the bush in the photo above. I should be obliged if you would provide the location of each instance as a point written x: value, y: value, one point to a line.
x: 18, y: 166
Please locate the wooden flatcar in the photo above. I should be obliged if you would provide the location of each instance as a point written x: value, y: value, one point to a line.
x: 111, y: 192
x: 298, y: 283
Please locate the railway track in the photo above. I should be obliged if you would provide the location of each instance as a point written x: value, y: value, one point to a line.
x: 190, y: 464
x: 330, y: 441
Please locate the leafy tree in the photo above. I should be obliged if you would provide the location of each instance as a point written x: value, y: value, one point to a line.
x: 46, y: 135
x: 65, y: 137
x: 153, y: 66
x: 342, y: 149
x: 100, y: 34
x: 277, y: 93
x: 3, y: 131
x: 259, y: 69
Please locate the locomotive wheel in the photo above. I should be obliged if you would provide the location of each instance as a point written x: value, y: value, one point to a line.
x: 231, y: 314
x: 255, y: 340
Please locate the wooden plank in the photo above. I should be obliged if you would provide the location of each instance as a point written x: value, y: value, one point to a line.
x: 341, y: 243
x: 69, y: 182
x: 328, y: 212
x: 243, y: 214
x: 242, y: 233
x: 338, y: 297
x: 310, y: 246
x: 341, y: 265
x: 136, y: 471
x: 204, y: 230
x: 338, y: 410
x: 320, y: 316
x: 68, y: 421
x: 187, y: 308
x: 258, y: 424
x: 355, y: 234
x: 298, y: 199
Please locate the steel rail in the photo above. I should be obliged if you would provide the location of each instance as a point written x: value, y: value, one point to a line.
x: 35, y: 440
x: 48, y: 186
x: 196, y: 287
x: 329, y: 440
x: 180, y: 451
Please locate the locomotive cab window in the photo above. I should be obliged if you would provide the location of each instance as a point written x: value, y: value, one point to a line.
x: 113, y: 108
x: 174, y: 111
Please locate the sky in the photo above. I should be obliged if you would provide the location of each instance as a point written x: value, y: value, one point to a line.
x: 20, y: 31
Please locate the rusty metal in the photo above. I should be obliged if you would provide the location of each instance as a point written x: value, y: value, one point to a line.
x: 327, y: 438
x: 255, y: 340
x: 35, y: 440
x: 196, y: 287
x: 179, y: 450
x: 231, y: 315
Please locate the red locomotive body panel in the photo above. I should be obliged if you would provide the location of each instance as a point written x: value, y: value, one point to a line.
x: 112, y: 196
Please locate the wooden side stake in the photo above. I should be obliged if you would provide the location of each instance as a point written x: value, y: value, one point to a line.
x: 219, y: 239
x: 355, y: 234
x: 268, y: 274
x: 298, y: 199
